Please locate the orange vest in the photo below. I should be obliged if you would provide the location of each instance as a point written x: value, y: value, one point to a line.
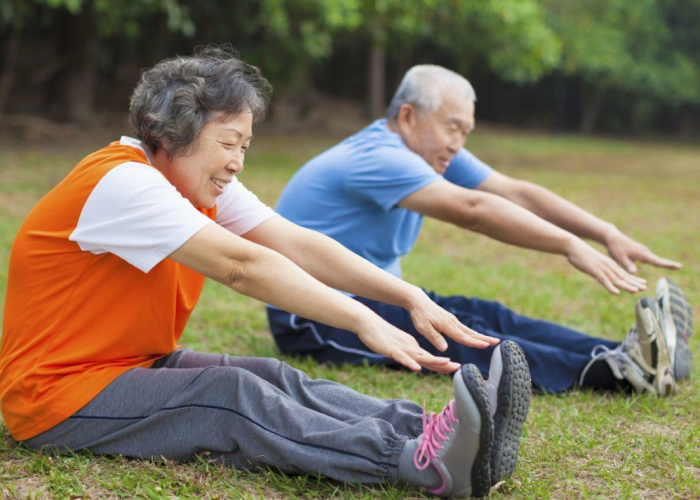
x: 74, y: 321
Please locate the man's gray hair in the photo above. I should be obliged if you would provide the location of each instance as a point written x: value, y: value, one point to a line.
x: 422, y: 87
x: 176, y: 98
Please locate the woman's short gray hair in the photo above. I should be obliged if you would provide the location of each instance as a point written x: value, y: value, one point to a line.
x: 422, y: 87
x: 176, y: 98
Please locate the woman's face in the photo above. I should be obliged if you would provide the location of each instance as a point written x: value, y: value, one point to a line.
x: 217, y: 156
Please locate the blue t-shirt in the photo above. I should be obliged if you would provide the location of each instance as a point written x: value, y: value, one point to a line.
x: 351, y: 191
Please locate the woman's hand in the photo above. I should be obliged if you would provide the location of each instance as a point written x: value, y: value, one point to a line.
x: 389, y: 341
x: 432, y: 321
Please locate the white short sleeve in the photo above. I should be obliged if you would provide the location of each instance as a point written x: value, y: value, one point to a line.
x: 239, y: 210
x: 136, y: 214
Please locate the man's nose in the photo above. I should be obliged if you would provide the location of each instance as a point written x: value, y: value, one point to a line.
x: 457, y: 144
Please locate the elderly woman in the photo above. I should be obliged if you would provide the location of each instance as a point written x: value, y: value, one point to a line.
x: 107, y: 267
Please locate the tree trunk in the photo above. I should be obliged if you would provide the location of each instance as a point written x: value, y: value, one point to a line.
x: 377, y: 82
x: 642, y: 116
x: 559, y: 102
x: 403, y: 64
x: 8, y: 71
x: 74, y: 94
x: 308, y: 93
x: 687, y: 123
x: 592, y: 108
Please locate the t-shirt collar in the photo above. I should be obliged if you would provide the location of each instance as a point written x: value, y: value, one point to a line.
x: 135, y: 143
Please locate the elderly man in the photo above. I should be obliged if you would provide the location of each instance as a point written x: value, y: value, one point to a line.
x: 371, y: 191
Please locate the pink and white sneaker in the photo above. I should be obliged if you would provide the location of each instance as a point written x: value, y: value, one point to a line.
x: 458, y: 441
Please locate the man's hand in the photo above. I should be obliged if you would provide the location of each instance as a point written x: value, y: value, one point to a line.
x: 625, y: 251
x: 432, y: 321
x: 388, y: 340
x: 590, y: 261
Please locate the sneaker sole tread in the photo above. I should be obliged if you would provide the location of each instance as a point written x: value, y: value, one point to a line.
x: 481, y: 468
x: 514, y: 395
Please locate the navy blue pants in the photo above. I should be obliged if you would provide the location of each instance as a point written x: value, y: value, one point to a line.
x: 556, y: 354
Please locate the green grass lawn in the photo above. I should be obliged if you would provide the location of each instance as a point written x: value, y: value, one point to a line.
x: 579, y: 445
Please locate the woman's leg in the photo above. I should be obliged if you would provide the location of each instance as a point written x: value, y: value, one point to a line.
x: 235, y: 415
x: 329, y: 398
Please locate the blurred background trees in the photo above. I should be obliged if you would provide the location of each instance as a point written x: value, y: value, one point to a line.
x: 589, y: 65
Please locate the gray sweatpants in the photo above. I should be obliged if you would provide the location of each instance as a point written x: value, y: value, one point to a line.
x: 247, y: 412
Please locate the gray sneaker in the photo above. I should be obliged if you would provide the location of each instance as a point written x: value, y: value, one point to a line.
x: 509, y: 388
x: 457, y: 442
x: 678, y: 326
x: 642, y: 358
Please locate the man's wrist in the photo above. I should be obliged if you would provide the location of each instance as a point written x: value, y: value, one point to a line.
x: 611, y: 231
x: 570, y: 244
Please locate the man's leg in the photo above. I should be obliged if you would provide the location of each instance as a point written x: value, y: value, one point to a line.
x: 556, y: 354
x: 235, y: 415
x: 494, y: 316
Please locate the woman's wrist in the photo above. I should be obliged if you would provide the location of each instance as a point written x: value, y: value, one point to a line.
x: 360, y: 317
x: 413, y: 297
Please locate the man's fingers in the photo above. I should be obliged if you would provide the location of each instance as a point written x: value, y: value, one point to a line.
x: 623, y: 279
x: 627, y: 284
x: 623, y: 282
x: 652, y: 258
x: 627, y: 264
x: 607, y: 284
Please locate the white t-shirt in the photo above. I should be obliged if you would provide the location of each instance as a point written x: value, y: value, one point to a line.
x: 136, y: 214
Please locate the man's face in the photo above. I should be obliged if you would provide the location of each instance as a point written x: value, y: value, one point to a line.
x: 440, y: 135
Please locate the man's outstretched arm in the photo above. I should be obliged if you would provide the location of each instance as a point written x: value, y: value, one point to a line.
x: 574, y: 219
x: 505, y: 221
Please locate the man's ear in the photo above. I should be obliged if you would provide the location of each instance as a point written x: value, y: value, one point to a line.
x: 407, y: 115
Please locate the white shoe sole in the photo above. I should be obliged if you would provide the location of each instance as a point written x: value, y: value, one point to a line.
x: 664, y: 383
x: 663, y: 298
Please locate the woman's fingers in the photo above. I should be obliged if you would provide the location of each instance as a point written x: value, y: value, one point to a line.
x: 474, y: 336
x: 429, y: 332
x: 440, y: 323
x: 413, y: 357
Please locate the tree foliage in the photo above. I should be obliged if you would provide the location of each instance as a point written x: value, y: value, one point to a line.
x: 647, y: 51
x: 629, y: 46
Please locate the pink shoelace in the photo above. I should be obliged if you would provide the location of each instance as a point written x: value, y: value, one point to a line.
x: 435, y: 432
